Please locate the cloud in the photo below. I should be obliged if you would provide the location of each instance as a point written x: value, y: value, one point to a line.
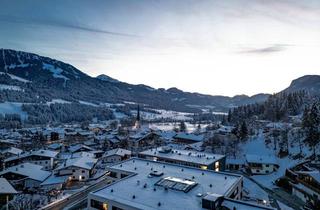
x: 55, y: 23
x: 265, y: 50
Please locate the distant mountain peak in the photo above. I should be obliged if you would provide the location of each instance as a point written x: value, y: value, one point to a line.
x: 106, y: 78
x: 310, y: 83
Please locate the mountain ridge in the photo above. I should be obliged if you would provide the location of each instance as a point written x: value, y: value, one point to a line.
x: 50, y: 79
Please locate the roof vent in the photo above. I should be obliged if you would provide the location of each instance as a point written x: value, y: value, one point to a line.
x: 133, y: 197
x: 154, y: 189
x: 193, y: 177
x: 210, y: 185
x: 111, y: 190
x: 182, y: 169
x: 22, y: 166
x: 159, y: 204
x: 225, y: 177
x: 135, y: 168
x: 121, y: 165
x: 138, y: 182
x: 145, y: 185
x: 202, y: 173
x: 163, y: 166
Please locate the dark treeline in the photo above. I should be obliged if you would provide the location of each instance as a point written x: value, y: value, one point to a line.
x: 277, y: 107
x: 64, y: 113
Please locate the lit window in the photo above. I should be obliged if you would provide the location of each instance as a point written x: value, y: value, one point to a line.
x: 217, y: 166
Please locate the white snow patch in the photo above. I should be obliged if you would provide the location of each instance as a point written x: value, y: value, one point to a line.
x: 9, y: 87
x: 14, y: 77
x: 12, y: 108
x: 58, y: 101
x: 55, y: 71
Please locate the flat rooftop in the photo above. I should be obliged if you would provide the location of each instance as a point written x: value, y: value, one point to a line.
x: 202, y: 158
x: 174, y: 186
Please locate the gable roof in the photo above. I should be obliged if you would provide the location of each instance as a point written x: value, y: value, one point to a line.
x: 29, y: 170
x: 117, y: 151
x: 80, y: 162
x: 6, y: 187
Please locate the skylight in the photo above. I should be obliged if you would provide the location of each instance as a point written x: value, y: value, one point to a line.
x: 178, y: 184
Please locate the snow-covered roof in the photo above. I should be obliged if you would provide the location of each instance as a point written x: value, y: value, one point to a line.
x: 141, y: 185
x: 117, y: 151
x: 261, y: 159
x: 41, y: 152
x: 189, y: 136
x: 236, y: 161
x: 29, y: 170
x: 12, y: 150
x: 76, y: 147
x: 6, y: 187
x: 80, y: 162
x: 55, y: 146
x: 53, y: 179
x: 202, y: 158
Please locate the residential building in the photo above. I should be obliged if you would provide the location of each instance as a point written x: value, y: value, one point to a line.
x: 145, y: 184
x: 261, y: 164
x: 25, y: 175
x: 78, y: 169
x: 44, y: 158
x: 196, y: 159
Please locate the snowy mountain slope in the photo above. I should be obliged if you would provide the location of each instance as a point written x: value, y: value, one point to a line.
x: 310, y: 83
x: 44, y: 79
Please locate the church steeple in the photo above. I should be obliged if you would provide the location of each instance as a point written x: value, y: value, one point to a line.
x: 137, y: 123
x: 138, y: 113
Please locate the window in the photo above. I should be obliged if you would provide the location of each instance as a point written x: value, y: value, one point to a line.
x: 83, y: 171
x: 267, y: 165
x: 46, y: 162
x: 98, y: 205
x: 73, y: 177
x: 267, y: 171
x: 258, y: 171
x: 73, y: 170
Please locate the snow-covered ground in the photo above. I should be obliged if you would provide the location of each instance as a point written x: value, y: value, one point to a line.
x: 58, y: 101
x: 164, y: 114
x: 12, y: 108
x: 10, y: 87
x: 256, y: 146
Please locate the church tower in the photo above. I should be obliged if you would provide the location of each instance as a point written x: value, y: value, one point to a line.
x: 137, y: 124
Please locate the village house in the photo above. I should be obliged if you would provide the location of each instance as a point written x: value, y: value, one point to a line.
x: 116, y: 155
x: 44, y: 158
x: 25, y: 175
x: 6, y: 192
x: 78, y: 169
x: 261, y: 164
x: 187, y: 138
x: 143, y: 139
x: 305, y: 182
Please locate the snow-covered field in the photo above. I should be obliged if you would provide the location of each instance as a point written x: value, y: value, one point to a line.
x: 12, y: 108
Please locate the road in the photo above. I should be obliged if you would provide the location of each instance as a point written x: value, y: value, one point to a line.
x: 77, y: 197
